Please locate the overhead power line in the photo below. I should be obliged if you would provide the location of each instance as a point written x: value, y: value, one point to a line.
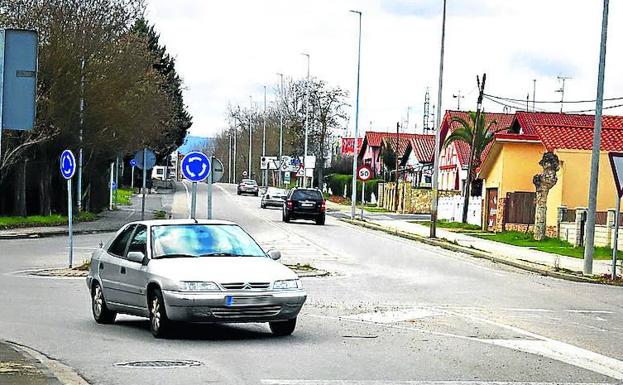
x: 549, y: 101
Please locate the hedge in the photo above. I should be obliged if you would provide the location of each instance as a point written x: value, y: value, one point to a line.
x: 337, y: 183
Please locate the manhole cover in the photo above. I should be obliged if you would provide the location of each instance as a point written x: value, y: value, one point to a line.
x: 159, y: 364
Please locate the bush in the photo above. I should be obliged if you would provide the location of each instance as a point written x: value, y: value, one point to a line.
x: 337, y: 183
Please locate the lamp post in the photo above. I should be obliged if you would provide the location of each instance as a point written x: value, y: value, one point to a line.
x: 306, y: 122
x: 250, y: 137
x: 264, y: 172
x: 280, y: 125
x: 435, y: 184
x: 353, y: 195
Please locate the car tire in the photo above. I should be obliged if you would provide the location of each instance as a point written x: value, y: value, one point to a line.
x: 282, y: 328
x: 263, y: 205
x: 286, y: 217
x: 257, y: 194
x: 239, y: 193
x: 320, y: 220
x: 101, y: 313
x: 159, y: 324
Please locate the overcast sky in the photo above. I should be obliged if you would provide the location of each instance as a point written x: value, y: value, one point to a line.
x: 228, y: 50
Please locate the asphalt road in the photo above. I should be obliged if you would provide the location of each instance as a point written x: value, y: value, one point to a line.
x: 393, y: 311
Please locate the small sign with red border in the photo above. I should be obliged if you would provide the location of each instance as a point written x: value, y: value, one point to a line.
x: 364, y: 173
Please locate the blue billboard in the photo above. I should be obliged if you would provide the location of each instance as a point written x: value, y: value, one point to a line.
x: 18, y: 80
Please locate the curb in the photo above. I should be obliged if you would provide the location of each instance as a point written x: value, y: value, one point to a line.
x: 55, y: 233
x: 444, y: 244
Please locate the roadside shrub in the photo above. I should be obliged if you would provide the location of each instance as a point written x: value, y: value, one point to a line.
x: 338, y: 182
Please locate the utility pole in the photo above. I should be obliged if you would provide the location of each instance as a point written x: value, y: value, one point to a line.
x: 229, y: 157
x: 533, y: 95
x: 306, y: 122
x: 234, y: 180
x: 280, y: 127
x: 397, y: 153
x: 592, y: 192
x: 458, y: 98
x: 561, y: 90
x: 435, y: 184
x: 80, y: 137
x: 353, y: 195
x: 264, y: 172
x: 470, y: 166
x: 250, y: 136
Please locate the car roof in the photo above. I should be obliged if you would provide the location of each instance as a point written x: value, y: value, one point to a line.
x: 162, y: 222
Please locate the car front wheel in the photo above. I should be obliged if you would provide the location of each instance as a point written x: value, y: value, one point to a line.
x: 158, y: 321
x: 283, y: 328
x: 101, y: 313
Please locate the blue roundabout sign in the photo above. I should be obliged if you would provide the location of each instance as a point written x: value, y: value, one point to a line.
x: 196, y: 166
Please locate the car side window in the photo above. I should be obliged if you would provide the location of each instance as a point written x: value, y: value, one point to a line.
x: 139, y: 241
x: 117, y: 247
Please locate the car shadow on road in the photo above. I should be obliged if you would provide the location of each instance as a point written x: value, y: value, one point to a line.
x: 206, y: 332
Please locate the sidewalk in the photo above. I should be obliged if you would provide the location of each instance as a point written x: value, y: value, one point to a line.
x: 500, y: 250
x: 107, y: 221
x: 19, y: 368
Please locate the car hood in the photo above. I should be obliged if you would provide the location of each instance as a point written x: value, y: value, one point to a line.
x: 221, y: 269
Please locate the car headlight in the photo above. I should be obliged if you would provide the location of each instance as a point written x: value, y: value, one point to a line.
x: 198, y: 286
x: 288, y: 284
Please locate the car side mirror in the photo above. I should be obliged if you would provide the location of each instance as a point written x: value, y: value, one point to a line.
x: 274, y: 254
x: 136, y: 256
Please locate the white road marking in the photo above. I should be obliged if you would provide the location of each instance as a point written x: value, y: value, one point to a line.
x: 390, y: 382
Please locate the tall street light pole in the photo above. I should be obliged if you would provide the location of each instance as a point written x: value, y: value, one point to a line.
x: 592, y: 191
x: 306, y: 122
x: 280, y: 125
x: 80, y: 155
x: 353, y: 195
x: 435, y: 184
x: 250, y: 136
x: 264, y: 172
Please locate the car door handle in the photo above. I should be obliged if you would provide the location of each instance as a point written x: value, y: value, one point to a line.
x: 122, y: 270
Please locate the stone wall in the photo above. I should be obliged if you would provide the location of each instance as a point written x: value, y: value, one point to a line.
x: 410, y: 200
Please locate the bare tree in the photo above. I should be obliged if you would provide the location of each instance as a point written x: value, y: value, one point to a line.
x: 544, y: 182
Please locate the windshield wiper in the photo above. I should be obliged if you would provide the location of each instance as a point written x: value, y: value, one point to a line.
x: 176, y: 256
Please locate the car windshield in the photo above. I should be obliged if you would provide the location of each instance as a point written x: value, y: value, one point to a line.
x: 201, y: 240
x: 313, y: 195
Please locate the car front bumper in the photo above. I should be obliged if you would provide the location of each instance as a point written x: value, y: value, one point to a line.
x: 235, y: 306
x: 252, y: 190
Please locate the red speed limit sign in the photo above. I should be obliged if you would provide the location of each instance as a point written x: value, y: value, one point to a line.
x: 364, y: 173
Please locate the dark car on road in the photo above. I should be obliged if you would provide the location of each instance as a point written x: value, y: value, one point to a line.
x: 305, y: 203
x: 248, y: 186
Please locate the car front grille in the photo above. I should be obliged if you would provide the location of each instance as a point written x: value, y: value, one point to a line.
x: 246, y: 312
x: 245, y: 285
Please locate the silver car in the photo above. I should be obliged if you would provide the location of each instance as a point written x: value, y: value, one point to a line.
x: 197, y: 271
x: 273, y: 197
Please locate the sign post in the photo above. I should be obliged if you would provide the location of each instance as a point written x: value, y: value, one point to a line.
x: 145, y: 159
x: 215, y: 176
x: 195, y: 168
x: 133, y: 164
x: 364, y: 173
x: 616, y: 163
x: 68, y: 169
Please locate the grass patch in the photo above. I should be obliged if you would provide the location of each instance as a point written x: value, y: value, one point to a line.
x: 375, y: 209
x: 43, y: 221
x: 548, y: 245
x: 123, y: 196
x: 160, y: 214
x: 445, y: 224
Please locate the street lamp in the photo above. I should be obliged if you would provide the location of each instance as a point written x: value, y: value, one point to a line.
x: 306, y: 122
x: 353, y: 195
x: 264, y: 172
x: 250, y: 137
x: 435, y: 185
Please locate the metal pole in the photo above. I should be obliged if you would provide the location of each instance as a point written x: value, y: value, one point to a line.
x: 592, y: 192
x: 70, y: 223
x: 210, y: 181
x: 363, y: 197
x: 353, y: 196
x: 250, y: 137
x: 110, y: 182
x: 280, y: 128
x: 144, y: 184
x: 235, y: 147
x: 615, y: 247
x: 264, y: 172
x: 533, y: 95
x: 116, y: 180
x: 79, y: 187
x: 435, y: 184
x: 229, y: 158
x: 193, y: 201
x: 306, y: 123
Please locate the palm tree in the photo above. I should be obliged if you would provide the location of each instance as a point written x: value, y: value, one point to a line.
x: 477, y: 139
